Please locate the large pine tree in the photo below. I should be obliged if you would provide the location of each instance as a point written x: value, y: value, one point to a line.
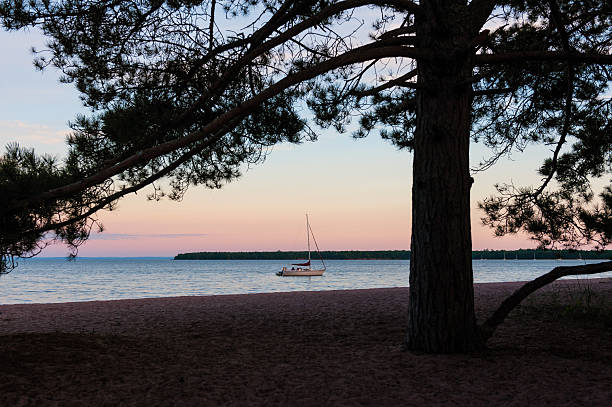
x: 192, y: 90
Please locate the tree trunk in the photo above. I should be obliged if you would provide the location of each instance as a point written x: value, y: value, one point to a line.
x: 441, y: 315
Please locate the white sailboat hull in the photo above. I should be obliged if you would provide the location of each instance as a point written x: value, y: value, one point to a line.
x: 301, y: 271
x: 304, y: 273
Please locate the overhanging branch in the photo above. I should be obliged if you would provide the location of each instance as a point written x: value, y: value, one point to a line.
x: 125, y: 191
x: 357, y: 55
x: 260, y: 47
x: 394, y: 82
x: 519, y: 295
x: 411, y: 29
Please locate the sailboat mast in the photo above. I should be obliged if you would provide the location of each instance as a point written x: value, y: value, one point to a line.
x: 308, y: 236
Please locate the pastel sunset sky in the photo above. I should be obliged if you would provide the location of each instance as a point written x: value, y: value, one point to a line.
x: 357, y: 192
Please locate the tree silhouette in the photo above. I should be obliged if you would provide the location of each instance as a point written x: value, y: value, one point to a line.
x: 179, y: 91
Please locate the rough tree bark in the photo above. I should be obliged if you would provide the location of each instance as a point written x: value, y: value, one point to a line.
x: 441, y: 316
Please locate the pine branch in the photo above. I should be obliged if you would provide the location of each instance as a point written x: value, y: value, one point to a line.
x: 357, y: 55
x: 132, y: 189
x: 394, y: 82
x: 558, y: 20
x: 410, y: 29
x: 489, y: 326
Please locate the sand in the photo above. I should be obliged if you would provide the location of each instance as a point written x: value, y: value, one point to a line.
x: 335, y: 348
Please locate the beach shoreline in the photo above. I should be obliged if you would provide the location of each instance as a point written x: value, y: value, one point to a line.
x: 299, y: 348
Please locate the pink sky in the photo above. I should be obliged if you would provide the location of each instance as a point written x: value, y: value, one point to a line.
x: 359, y: 200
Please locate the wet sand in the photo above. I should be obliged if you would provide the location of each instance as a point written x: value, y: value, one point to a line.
x: 334, y: 348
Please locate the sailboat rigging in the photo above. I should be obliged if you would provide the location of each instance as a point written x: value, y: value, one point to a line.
x: 304, y: 269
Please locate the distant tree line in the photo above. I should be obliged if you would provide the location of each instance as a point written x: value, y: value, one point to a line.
x: 298, y: 255
x: 520, y: 254
x: 530, y: 254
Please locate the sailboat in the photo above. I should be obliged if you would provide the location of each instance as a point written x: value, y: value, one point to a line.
x: 304, y: 269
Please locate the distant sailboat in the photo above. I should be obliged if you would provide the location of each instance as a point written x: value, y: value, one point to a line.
x: 304, y: 269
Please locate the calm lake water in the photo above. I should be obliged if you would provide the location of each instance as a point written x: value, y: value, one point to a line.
x: 45, y: 280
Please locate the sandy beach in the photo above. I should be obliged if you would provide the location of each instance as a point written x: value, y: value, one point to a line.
x: 333, y: 348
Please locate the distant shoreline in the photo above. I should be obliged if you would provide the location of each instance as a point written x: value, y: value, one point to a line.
x: 520, y: 254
